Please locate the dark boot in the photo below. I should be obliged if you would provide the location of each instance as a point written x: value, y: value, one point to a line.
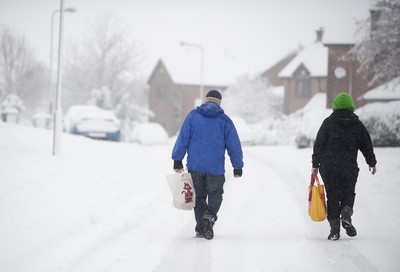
x: 347, y: 212
x: 208, y: 221
x: 335, y: 229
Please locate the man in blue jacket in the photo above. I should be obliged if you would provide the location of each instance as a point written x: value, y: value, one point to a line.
x: 205, y: 135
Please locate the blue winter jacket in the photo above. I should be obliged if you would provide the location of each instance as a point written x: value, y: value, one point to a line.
x: 205, y: 135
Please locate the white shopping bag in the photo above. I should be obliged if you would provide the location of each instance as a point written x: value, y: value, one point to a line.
x: 182, y: 189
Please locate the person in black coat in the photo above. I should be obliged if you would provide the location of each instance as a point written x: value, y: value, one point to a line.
x: 335, y: 152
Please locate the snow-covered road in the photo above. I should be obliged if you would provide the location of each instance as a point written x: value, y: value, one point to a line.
x: 107, y: 207
x: 264, y: 227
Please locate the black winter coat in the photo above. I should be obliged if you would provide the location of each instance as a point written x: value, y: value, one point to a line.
x: 339, y: 138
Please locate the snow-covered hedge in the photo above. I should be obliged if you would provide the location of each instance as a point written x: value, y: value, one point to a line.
x: 299, y: 128
x: 383, y: 122
x: 381, y: 119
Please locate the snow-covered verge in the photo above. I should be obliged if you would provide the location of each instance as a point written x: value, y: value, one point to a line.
x: 103, y: 206
x: 381, y: 119
x: 383, y: 122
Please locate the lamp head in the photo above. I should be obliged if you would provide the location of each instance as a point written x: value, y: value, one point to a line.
x: 70, y: 9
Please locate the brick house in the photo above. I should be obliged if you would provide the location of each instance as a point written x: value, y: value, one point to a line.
x: 171, y: 101
x: 272, y: 73
x: 343, y: 74
x: 305, y: 75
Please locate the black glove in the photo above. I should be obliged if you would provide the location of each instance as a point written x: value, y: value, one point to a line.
x: 178, y: 165
x: 237, y: 172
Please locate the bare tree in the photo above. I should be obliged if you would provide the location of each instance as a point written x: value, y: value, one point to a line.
x: 101, y: 60
x: 20, y: 73
x: 379, y: 49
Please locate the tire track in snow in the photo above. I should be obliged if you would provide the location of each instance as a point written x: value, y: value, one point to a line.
x: 245, y: 226
x: 187, y: 254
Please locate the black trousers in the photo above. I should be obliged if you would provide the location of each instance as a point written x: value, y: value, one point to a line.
x: 209, y: 190
x: 340, y: 184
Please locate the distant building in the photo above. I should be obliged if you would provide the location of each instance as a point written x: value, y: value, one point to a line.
x: 343, y: 74
x: 272, y: 73
x: 305, y: 75
x: 275, y: 83
x: 171, y: 101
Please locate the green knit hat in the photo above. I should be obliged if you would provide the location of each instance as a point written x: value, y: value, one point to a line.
x: 343, y: 101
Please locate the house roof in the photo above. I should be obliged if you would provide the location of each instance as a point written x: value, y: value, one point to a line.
x: 184, y: 67
x: 388, y: 91
x: 160, y: 63
x: 181, y: 76
x: 314, y: 58
x: 283, y: 61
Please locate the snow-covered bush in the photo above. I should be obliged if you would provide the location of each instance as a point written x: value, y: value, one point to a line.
x: 11, y: 108
x: 297, y: 128
x: 12, y: 103
x: 382, y: 120
x: 275, y: 131
x: 252, y: 99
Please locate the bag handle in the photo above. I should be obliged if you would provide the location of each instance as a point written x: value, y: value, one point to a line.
x: 313, y: 179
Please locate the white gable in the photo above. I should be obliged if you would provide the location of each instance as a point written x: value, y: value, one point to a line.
x: 313, y: 57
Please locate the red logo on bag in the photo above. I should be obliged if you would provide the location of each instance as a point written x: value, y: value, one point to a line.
x: 187, y: 190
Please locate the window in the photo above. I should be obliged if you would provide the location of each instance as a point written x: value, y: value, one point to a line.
x: 303, y: 88
x: 161, y: 92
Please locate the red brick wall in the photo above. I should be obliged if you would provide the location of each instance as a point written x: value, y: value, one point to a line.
x: 172, y: 105
x: 292, y: 102
x: 163, y: 105
x: 354, y: 82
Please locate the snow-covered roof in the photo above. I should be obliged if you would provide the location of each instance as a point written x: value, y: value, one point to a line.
x: 314, y: 57
x: 388, y: 91
x: 185, y: 68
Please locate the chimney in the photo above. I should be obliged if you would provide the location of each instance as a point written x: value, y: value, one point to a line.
x: 320, y: 34
x: 375, y: 15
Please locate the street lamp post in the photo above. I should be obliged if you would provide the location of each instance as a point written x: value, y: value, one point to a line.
x: 201, y: 65
x: 71, y: 10
x: 58, y: 110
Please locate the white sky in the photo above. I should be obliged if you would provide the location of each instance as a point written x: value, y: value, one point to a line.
x: 238, y: 36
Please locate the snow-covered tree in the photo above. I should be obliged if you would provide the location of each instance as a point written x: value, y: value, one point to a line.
x: 378, y: 49
x: 101, y: 60
x: 252, y: 99
x: 132, y: 108
x: 100, y: 98
x: 21, y: 73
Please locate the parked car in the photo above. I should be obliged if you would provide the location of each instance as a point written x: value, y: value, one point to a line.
x: 92, y: 122
x: 149, y: 134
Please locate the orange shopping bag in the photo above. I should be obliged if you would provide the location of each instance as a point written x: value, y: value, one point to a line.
x: 316, y: 200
